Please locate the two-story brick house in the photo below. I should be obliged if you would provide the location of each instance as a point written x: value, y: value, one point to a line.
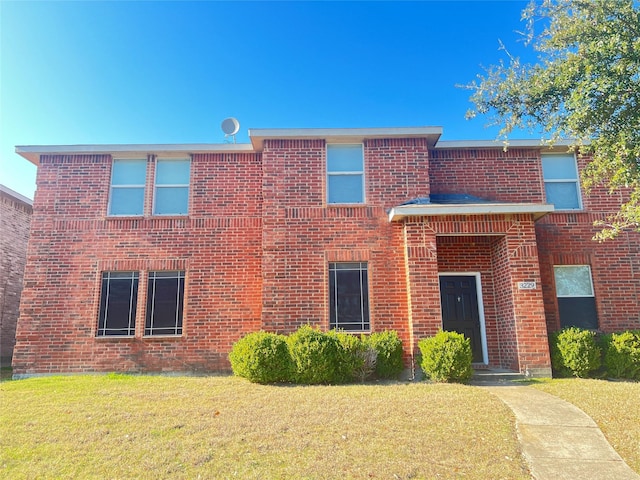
x: 159, y: 257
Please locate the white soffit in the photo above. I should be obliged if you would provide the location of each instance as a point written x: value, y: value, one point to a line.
x: 33, y: 152
x: 342, y: 135
x: 536, y: 209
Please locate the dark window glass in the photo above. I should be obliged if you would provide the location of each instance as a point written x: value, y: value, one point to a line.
x: 165, y: 303
x: 349, y: 296
x: 118, y: 301
x: 576, y: 301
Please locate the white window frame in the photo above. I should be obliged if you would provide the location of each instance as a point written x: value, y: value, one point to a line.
x: 157, y: 187
x: 346, y: 173
x: 142, y: 186
x: 576, y: 180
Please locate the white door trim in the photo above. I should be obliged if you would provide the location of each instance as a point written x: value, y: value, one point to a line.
x: 483, y: 330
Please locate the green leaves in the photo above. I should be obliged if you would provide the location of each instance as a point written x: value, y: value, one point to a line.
x: 584, y: 86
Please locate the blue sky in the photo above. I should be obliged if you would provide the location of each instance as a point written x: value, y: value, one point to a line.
x: 91, y: 72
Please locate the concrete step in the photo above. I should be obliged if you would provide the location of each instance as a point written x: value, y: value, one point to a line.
x: 495, y: 376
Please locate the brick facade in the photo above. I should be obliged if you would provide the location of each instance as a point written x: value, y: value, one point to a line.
x: 259, y: 237
x: 15, y: 217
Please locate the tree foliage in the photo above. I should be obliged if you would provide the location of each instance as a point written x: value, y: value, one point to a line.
x: 584, y: 85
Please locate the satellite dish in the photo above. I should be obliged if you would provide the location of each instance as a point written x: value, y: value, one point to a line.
x: 230, y: 126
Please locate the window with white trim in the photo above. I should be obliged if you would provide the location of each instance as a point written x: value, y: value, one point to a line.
x: 561, y: 184
x: 576, y: 299
x: 126, y: 195
x: 171, y: 192
x: 165, y: 303
x: 345, y: 173
x: 349, y: 297
x: 118, y: 302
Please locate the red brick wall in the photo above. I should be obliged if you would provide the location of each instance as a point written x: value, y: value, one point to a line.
x: 15, y: 217
x: 519, y: 314
x: 218, y: 245
x: 492, y: 174
x: 566, y: 238
x: 302, y: 234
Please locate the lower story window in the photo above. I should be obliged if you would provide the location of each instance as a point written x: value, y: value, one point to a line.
x: 576, y: 301
x: 165, y: 303
x: 349, y: 297
x: 118, y: 302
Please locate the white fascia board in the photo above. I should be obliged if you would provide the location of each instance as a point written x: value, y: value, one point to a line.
x: 342, y: 135
x: 33, y: 152
x: 536, y: 209
x: 558, y: 145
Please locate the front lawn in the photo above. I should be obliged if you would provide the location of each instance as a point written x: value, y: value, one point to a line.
x: 615, y: 407
x: 116, y: 426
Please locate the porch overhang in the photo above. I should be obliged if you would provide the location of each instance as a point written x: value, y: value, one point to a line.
x: 538, y: 210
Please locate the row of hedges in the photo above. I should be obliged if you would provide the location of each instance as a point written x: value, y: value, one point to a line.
x: 582, y: 353
x: 309, y: 356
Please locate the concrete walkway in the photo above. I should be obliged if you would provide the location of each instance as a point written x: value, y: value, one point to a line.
x: 559, y: 441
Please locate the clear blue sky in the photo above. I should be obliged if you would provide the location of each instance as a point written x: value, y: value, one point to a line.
x: 169, y: 72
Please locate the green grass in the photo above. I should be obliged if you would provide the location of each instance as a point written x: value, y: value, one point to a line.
x: 615, y: 407
x: 118, y: 426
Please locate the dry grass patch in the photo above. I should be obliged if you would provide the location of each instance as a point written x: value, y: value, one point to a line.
x: 615, y: 407
x: 224, y: 427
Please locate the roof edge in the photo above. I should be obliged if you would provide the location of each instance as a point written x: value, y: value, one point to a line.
x: 563, y: 144
x: 538, y: 210
x: 33, y: 152
x: 259, y: 135
x: 15, y: 195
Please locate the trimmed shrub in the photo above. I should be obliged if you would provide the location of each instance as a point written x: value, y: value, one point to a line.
x: 622, y: 355
x: 388, y: 347
x: 446, y: 357
x: 262, y: 357
x: 357, y: 359
x: 316, y: 356
x: 574, y: 352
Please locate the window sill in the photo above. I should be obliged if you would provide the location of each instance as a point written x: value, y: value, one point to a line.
x: 346, y: 205
x: 163, y: 337
x: 114, y: 337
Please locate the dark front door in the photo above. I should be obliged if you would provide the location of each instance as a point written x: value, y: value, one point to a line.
x: 459, y: 299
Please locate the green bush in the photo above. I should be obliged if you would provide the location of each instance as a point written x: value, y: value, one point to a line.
x: 356, y: 358
x: 316, y: 356
x: 388, y: 347
x: 574, y: 352
x: 446, y: 357
x: 262, y: 357
x: 622, y: 355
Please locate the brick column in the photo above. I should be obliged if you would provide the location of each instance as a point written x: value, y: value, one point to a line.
x: 423, y: 288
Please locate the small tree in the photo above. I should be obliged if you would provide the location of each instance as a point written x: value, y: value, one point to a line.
x: 584, y: 86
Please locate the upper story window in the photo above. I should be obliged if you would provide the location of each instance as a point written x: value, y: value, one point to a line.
x: 345, y: 174
x: 561, y: 183
x: 171, y: 195
x: 126, y: 196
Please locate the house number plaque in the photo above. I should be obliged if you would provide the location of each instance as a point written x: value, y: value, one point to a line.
x: 526, y: 285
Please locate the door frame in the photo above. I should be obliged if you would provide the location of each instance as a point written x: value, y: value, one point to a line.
x: 483, y: 331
